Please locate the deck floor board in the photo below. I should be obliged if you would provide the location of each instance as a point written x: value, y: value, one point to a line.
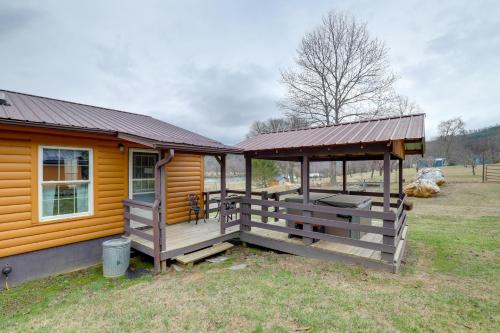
x: 184, y: 234
x: 325, y: 245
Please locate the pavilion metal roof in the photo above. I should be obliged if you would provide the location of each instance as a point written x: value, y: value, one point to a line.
x: 409, y: 128
x: 25, y: 109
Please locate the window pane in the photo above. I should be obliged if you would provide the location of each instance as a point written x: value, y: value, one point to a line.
x: 49, y: 200
x: 143, y: 186
x: 144, y: 197
x: 68, y: 165
x: 66, y: 199
x: 50, y: 164
x: 143, y: 182
x: 82, y: 198
x: 143, y: 164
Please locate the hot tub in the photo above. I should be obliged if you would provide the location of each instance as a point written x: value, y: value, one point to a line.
x: 334, y: 200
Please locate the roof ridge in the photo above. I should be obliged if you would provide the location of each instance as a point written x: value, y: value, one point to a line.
x: 346, y: 123
x: 71, y: 102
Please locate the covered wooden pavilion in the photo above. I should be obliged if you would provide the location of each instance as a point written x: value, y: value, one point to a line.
x: 384, y: 238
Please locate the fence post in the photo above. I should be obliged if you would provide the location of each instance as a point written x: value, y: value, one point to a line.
x: 484, y: 171
x: 276, y: 208
x: 264, y: 196
x: 206, y: 197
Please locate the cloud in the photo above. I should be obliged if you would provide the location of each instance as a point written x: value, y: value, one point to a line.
x: 214, y: 69
x: 13, y: 19
x: 216, y: 101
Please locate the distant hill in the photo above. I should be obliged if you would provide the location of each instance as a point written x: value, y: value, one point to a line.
x: 493, y: 131
x: 467, y: 146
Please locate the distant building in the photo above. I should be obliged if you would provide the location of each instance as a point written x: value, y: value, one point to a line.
x: 279, y: 180
x: 440, y: 162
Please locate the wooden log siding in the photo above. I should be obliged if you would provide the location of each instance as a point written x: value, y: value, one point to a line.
x: 20, y: 229
x: 184, y: 176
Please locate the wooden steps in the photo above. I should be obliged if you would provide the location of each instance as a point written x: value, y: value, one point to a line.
x: 189, y: 259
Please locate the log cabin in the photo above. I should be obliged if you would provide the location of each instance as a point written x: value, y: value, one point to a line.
x: 66, y: 169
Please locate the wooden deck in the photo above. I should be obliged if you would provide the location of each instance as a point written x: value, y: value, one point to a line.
x: 324, y: 245
x: 182, y: 238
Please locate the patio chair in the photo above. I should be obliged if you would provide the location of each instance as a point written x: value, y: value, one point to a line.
x: 194, y: 206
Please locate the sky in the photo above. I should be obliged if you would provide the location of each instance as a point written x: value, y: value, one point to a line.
x: 213, y: 67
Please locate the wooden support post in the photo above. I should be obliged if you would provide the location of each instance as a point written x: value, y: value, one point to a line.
x: 389, y: 240
x: 246, y: 217
x: 400, y: 180
x: 163, y: 206
x: 222, y: 193
x: 264, y: 196
x: 126, y: 209
x: 344, y: 176
x: 305, y: 196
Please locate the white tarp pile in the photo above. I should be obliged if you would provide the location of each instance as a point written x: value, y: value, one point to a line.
x: 436, y: 175
x: 425, y: 184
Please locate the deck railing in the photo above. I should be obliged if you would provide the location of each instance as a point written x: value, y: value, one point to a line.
x: 209, y: 200
x: 153, y: 221
x: 390, y: 227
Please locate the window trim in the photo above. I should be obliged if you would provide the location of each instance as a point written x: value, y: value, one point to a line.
x: 90, y: 212
x: 131, y: 152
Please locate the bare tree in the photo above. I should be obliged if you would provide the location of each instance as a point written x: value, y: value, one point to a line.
x: 277, y: 125
x: 448, y: 131
x: 341, y: 74
x: 402, y: 106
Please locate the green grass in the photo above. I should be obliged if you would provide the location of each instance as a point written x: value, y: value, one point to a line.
x: 449, y: 282
x: 463, y: 247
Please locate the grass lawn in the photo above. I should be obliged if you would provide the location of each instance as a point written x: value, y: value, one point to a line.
x: 450, y: 282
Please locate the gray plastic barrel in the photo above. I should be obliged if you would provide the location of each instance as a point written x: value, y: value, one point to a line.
x: 115, y: 256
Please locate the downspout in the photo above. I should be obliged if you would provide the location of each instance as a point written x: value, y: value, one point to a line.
x: 160, y: 193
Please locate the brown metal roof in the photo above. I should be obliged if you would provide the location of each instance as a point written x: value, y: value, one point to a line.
x: 407, y: 128
x: 39, y: 111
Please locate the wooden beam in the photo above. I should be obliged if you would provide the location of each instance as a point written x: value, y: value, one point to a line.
x: 360, y: 149
x: 398, y: 148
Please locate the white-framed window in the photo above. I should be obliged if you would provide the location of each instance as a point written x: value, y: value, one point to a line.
x: 65, y: 182
x: 142, y: 174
